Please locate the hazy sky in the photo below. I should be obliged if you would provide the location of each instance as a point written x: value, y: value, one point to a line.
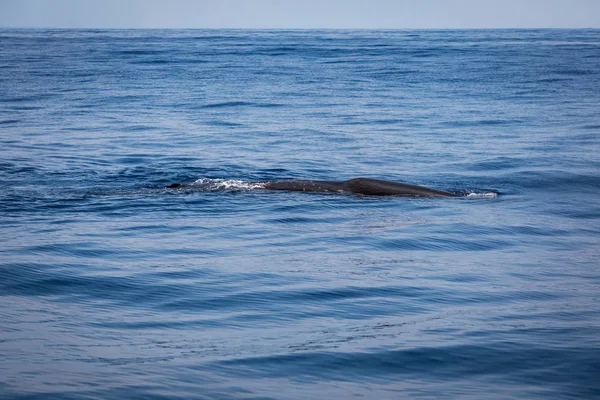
x: 301, y: 13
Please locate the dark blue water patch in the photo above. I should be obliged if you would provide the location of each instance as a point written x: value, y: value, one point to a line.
x: 26, y: 99
x: 83, y: 250
x: 222, y: 123
x: 554, y: 180
x: 292, y: 220
x: 155, y: 62
x: 15, y: 169
x: 38, y: 281
x: 507, y: 230
x: 462, y: 278
x: 193, y: 60
x: 140, y: 128
x: 480, y: 123
x: 592, y: 127
x: 24, y: 108
x: 571, y: 371
x: 428, y: 243
x: 549, y: 80
x: 140, y: 52
x: 274, y: 299
x: 575, y: 72
x: 8, y: 394
x: 240, y: 104
x: 275, y: 51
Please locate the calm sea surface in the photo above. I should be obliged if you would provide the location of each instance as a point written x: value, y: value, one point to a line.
x: 114, y: 287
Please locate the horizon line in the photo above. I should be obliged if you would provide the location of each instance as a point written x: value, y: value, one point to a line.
x: 303, y: 29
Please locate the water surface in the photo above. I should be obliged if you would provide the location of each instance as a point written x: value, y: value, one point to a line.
x: 112, y: 286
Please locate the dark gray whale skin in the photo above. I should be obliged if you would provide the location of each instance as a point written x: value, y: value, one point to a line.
x: 367, y: 186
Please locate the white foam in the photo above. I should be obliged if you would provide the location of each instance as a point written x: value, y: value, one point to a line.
x: 226, y: 184
x: 486, y: 194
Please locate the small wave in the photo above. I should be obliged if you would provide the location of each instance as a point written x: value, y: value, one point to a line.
x: 138, y: 52
x: 227, y: 104
x: 239, y: 104
x: 9, y: 121
x: 155, y: 61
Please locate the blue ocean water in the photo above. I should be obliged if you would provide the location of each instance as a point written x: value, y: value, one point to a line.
x: 113, y: 286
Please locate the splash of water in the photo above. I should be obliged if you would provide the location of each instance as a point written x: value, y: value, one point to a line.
x: 226, y: 184
x: 485, y: 194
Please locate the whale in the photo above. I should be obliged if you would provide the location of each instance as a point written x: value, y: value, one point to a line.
x: 364, y: 186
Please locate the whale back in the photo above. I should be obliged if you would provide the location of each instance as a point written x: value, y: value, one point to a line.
x: 306, y: 186
x: 377, y: 187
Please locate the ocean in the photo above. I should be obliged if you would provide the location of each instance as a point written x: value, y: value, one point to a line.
x: 114, y: 286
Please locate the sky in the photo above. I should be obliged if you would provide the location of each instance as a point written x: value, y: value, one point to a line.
x: 310, y: 14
